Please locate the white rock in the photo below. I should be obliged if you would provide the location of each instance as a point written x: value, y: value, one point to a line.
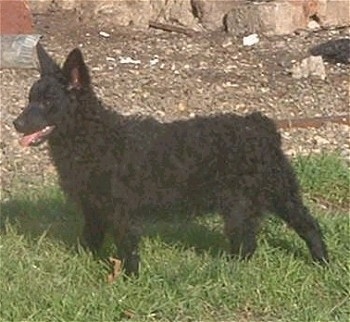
x: 129, y: 60
x: 313, y: 25
x: 250, y: 40
x: 154, y: 61
x: 104, y: 34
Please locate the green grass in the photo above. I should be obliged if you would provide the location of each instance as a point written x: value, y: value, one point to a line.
x: 324, y: 178
x: 185, y: 275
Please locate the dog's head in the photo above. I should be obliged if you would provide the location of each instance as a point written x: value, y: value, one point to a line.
x: 52, y: 97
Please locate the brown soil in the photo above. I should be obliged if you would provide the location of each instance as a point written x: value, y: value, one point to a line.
x: 179, y: 77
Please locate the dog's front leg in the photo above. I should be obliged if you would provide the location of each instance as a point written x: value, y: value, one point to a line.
x: 94, y: 226
x: 127, y: 234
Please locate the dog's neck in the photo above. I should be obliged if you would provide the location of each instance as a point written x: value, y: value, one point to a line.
x: 84, y: 121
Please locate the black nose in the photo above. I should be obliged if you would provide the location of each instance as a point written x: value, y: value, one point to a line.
x: 18, y: 123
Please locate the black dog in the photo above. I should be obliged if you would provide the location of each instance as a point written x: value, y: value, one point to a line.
x: 117, y: 168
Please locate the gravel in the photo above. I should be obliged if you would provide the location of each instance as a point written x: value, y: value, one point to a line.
x: 171, y: 76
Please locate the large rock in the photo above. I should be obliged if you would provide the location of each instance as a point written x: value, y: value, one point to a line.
x: 174, y: 11
x: 285, y: 16
x: 69, y: 4
x: 139, y: 13
x: 239, y: 16
x: 123, y: 13
x: 334, y: 12
x: 117, y: 13
x: 271, y: 18
x: 211, y: 13
x: 40, y: 6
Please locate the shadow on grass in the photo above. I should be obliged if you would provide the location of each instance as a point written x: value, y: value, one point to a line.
x: 35, y: 215
x: 59, y: 220
x: 51, y: 214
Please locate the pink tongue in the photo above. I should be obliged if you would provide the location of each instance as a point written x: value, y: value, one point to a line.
x: 27, y: 140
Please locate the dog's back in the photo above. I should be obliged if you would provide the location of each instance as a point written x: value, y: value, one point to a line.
x: 191, y: 159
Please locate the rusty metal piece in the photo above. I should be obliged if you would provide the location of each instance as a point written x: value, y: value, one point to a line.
x: 172, y: 28
x: 314, y: 122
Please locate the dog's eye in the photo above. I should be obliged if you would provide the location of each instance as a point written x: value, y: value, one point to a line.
x: 47, y: 102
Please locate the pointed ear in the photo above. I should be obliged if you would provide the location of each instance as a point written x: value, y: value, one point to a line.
x: 46, y: 63
x: 75, y: 70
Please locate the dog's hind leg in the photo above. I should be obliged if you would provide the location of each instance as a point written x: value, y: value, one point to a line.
x: 287, y: 204
x: 241, y: 224
x: 292, y: 210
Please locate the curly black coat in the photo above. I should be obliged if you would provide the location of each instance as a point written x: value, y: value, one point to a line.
x: 118, y: 168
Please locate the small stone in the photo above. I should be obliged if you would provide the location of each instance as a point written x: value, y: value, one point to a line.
x: 129, y: 60
x: 250, y: 40
x: 182, y: 106
x: 321, y: 140
x: 290, y: 152
x: 154, y: 61
x: 104, y: 34
x: 229, y: 84
x: 313, y: 25
x: 218, y: 88
x: 145, y: 94
x: 310, y: 66
x: 227, y: 43
x: 160, y: 113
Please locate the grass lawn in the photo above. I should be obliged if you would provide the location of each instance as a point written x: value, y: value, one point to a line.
x: 185, y: 274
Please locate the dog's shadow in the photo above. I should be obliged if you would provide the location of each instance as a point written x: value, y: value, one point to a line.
x: 59, y: 221
x: 49, y: 215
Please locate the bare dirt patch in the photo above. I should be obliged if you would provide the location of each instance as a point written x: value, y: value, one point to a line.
x: 177, y: 76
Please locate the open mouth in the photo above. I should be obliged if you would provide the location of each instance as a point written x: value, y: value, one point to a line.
x: 36, y: 138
